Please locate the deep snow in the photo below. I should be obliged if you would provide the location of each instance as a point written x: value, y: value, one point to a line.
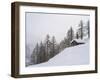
x: 76, y: 55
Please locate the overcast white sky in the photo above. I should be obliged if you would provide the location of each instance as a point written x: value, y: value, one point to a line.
x: 38, y: 25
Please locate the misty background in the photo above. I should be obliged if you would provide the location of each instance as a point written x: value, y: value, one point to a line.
x: 38, y: 25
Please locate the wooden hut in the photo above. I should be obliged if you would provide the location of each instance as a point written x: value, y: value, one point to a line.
x: 76, y: 42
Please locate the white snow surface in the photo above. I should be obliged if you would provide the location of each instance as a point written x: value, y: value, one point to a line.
x: 76, y: 55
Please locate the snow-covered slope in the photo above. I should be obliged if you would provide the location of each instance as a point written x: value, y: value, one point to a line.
x: 77, y: 55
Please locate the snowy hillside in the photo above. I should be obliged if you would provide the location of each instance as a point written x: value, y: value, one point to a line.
x: 77, y: 55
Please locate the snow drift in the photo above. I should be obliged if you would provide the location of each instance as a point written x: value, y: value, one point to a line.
x: 76, y: 55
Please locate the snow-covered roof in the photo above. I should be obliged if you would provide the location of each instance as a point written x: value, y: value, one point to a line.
x: 78, y: 40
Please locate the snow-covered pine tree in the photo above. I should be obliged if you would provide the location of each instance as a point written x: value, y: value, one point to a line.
x: 88, y: 28
x: 34, y: 55
x: 77, y: 35
x: 53, y: 49
x: 27, y: 55
x: 67, y: 42
x: 70, y: 34
x: 41, y: 56
x: 81, y: 29
x: 47, y: 46
x: 37, y: 53
x: 57, y: 48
